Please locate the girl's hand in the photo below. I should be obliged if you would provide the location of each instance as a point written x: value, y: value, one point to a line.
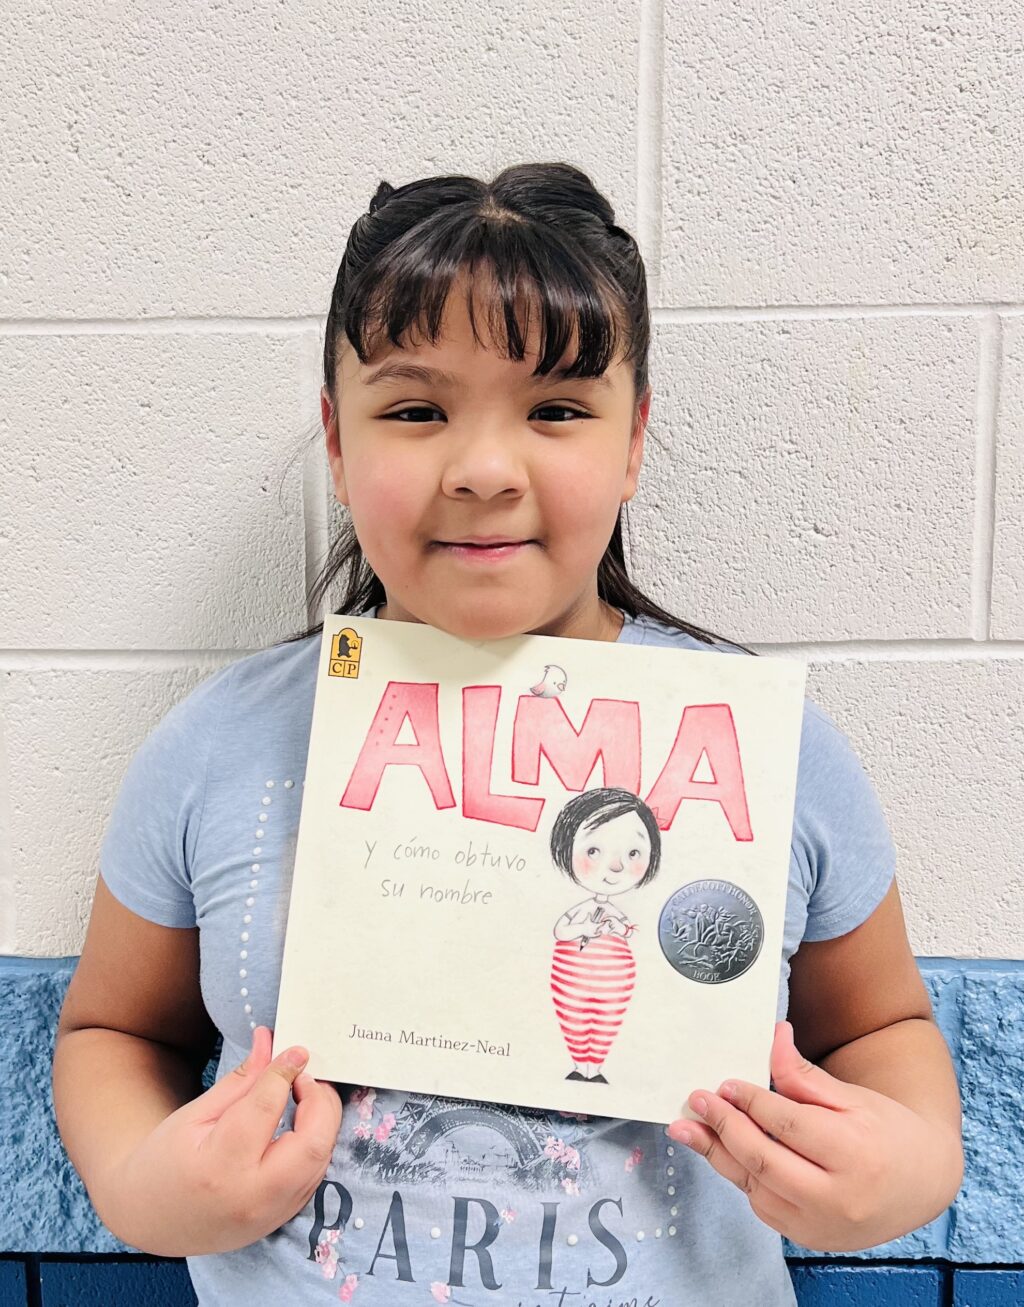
x: 211, y: 1177
x: 832, y: 1166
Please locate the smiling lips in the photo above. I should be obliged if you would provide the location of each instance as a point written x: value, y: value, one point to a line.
x: 484, y: 549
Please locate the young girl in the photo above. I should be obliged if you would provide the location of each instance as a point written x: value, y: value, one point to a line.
x: 485, y: 398
x: 607, y: 841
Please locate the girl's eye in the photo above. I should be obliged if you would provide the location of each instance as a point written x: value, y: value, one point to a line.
x: 548, y: 408
x: 634, y: 853
x: 418, y: 408
x: 593, y: 851
x: 561, y: 408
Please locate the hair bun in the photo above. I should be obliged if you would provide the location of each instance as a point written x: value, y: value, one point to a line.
x: 381, y: 196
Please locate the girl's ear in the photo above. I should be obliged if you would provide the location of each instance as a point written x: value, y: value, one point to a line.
x: 636, y: 446
x: 329, y: 417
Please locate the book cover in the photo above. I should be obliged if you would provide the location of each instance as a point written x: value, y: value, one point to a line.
x: 540, y: 870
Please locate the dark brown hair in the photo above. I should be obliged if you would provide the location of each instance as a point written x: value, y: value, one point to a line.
x: 542, y: 230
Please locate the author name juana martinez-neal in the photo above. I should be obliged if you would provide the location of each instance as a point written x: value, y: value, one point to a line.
x: 432, y: 1041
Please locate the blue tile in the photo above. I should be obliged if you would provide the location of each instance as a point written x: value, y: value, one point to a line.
x: 867, y: 1286
x: 99, y: 1283
x: 988, y: 1288
x: 13, y: 1291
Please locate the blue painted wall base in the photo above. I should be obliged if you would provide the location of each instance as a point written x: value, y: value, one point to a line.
x: 54, y: 1250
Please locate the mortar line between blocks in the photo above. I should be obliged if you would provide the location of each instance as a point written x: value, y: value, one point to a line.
x: 990, y: 349
x: 650, y: 110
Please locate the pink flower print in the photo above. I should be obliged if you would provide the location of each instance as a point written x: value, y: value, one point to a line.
x: 348, y: 1288
x: 560, y: 1151
x: 570, y: 1186
x: 363, y: 1099
x: 440, y: 1292
x: 327, y: 1256
x: 508, y: 1214
x: 635, y: 1158
x: 361, y: 1131
x: 385, y: 1128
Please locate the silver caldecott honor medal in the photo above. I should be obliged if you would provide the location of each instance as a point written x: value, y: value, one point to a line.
x: 711, y: 931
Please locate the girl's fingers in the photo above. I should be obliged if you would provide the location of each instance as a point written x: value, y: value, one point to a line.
x: 244, y: 1132
x: 212, y: 1104
x: 769, y: 1163
x: 803, y: 1127
x: 309, y: 1145
x: 703, y: 1140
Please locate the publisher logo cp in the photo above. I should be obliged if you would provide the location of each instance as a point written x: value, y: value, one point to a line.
x: 346, y: 650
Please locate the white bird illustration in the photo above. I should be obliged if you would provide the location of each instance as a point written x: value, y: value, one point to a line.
x: 552, y: 683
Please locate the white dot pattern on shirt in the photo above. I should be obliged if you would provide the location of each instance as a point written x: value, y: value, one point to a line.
x: 243, y: 954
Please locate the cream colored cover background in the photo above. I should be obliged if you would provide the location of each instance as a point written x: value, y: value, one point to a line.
x: 480, y: 971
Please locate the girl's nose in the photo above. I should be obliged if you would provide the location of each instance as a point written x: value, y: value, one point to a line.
x: 484, y: 466
x: 616, y: 865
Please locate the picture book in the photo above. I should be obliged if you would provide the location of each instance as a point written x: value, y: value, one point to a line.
x: 540, y: 870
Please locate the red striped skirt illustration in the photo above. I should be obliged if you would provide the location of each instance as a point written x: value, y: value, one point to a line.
x: 591, y: 988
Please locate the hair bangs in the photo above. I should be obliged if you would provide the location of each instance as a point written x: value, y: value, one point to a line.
x: 516, y: 273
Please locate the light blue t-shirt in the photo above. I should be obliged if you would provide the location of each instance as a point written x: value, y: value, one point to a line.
x: 431, y: 1199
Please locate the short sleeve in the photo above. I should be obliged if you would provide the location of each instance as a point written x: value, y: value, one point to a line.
x: 149, y: 844
x: 841, y: 840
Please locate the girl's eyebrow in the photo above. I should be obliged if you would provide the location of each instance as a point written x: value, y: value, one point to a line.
x: 438, y: 377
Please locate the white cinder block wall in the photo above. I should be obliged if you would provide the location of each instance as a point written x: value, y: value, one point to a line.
x: 830, y: 201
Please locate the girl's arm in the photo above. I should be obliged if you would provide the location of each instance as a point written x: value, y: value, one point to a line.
x: 132, y: 1042
x: 859, y: 1009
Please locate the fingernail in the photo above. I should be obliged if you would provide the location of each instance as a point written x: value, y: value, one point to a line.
x: 305, y: 1078
x: 728, y: 1090
x: 297, y: 1056
x: 683, y: 1135
x: 700, y: 1105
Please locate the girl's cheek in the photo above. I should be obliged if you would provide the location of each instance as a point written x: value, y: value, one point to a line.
x: 581, y: 864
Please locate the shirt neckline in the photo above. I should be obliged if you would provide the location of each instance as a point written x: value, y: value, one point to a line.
x: 632, y: 631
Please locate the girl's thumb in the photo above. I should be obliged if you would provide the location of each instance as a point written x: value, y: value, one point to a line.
x: 797, y: 1078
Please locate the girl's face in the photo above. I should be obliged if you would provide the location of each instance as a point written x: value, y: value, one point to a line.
x: 429, y: 466
x: 612, y: 857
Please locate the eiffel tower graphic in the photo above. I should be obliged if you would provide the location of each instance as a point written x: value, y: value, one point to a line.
x: 424, y: 1142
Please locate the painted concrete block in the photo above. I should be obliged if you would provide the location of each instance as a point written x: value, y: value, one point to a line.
x: 73, y: 733
x: 98, y: 1284
x: 988, y: 1288
x: 943, y: 742
x: 199, y: 174
x: 1008, y: 543
x: 777, y: 502
x: 867, y: 1286
x: 816, y: 157
x: 154, y: 500
x: 13, y: 1285
x: 989, y: 1224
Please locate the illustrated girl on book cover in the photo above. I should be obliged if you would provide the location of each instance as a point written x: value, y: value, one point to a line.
x: 608, y: 842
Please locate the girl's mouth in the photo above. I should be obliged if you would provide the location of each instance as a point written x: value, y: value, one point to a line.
x: 491, y: 552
